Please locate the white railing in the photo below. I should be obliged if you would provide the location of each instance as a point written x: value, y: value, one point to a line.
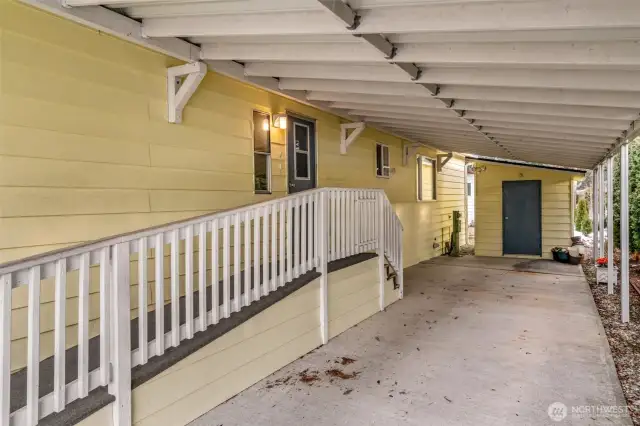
x: 265, y: 246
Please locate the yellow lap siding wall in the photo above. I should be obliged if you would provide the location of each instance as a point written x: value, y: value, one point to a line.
x: 556, y: 205
x: 86, y: 152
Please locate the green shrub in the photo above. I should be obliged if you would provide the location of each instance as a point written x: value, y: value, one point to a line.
x: 582, y: 214
x: 586, y: 227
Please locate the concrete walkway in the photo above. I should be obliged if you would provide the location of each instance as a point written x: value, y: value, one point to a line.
x: 474, y: 342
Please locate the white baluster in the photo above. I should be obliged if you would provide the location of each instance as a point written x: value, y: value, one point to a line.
x: 33, y: 346
x: 121, y: 332
x: 175, y: 288
x: 215, y: 269
x: 349, y: 227
x: 247, y: 258
x: 303, y: 235
x: 316, y: 229
x: 289, y: 240
x: 105, y: 315
x: 59, y: 352
x: 382, y: 276
x: 343, y: 224
x: 226, y: 275
x: 83, y: 326
x: 202, y: 276
x: 333, y: 223
x: 159, y: 264
x: 5, y: 348
x: 256, y: 255
x: 142, y: 300
x: 265, y: 252
x: 296, y: 238
x: 237, y: 280
x: 282, y: 243
x: 311, y: 225
x: 339, y: 224
x: 188, y: 280
x: 274, y: 243
x: 323, y: 238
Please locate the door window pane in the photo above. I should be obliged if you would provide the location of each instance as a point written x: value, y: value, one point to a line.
x: 302, y: 165
x: 301, y: 135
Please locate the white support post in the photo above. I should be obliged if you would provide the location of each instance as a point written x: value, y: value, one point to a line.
x: 382, y: 276
x: 180, y: 89
x: 611, y: 277
x: 466, y: 203
x: 409, y: 150
x: 594, y: 212
x: 347, y: 139
x: 120, y: 386
x: 601, y: 200
x: 624, y: 230
x: 322, y: 242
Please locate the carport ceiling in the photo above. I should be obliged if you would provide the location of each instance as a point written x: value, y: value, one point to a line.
x: 548, y: 81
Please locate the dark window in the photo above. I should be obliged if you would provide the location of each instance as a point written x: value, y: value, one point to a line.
x: 382, y: 161
x: 468, y: 188
x: 262, y: 152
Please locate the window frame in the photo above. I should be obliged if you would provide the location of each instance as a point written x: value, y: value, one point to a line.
x: 267, y: 153
x: 383, y: 147
x: 307, y: 153
x: 419, y: 165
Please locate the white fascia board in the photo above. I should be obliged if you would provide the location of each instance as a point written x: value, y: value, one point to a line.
x: 403, y: 115
x: 155, y: 8
x: 426, y: 112
x: 376, y: 100
x: 471, y: 135
x: 110, y: 22
x: 550, y: 141
x: 576, y: 54
x: 244, y: 24
x: 571, y: 153
x: 548, y: 145
x: 516, y: 36
x: 497, y: 131
x: 327, y: 52
x: 555, y: 129
x: 547, y: 110
x: 358, y: 87
x: 605, y: 80
x: 599, y: 98
x: 429, y: 125
x: 461, y: 126
x: 595, y: 123
x: 380, y: 72
x: 501, y: 16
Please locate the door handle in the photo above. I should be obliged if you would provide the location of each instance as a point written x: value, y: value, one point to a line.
x: 292, y: 185
x: 506, y: 218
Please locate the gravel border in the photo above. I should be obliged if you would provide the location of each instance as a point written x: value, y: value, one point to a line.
x: 624, y: 339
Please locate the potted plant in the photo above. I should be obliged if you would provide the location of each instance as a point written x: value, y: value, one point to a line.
x: 560, y: 254
x: 602, y: 270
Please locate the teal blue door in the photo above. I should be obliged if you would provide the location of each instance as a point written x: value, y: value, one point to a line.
x: 521, y: 217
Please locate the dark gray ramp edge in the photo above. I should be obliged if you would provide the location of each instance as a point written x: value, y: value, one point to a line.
x: 99, y: 398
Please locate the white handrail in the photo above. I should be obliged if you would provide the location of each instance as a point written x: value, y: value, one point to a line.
x: 290, y: 237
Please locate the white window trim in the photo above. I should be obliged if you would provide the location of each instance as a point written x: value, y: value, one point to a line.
x: 419, y: 161
x: 267, y: 154
x: 296, y: 151
x: 388, y: 166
